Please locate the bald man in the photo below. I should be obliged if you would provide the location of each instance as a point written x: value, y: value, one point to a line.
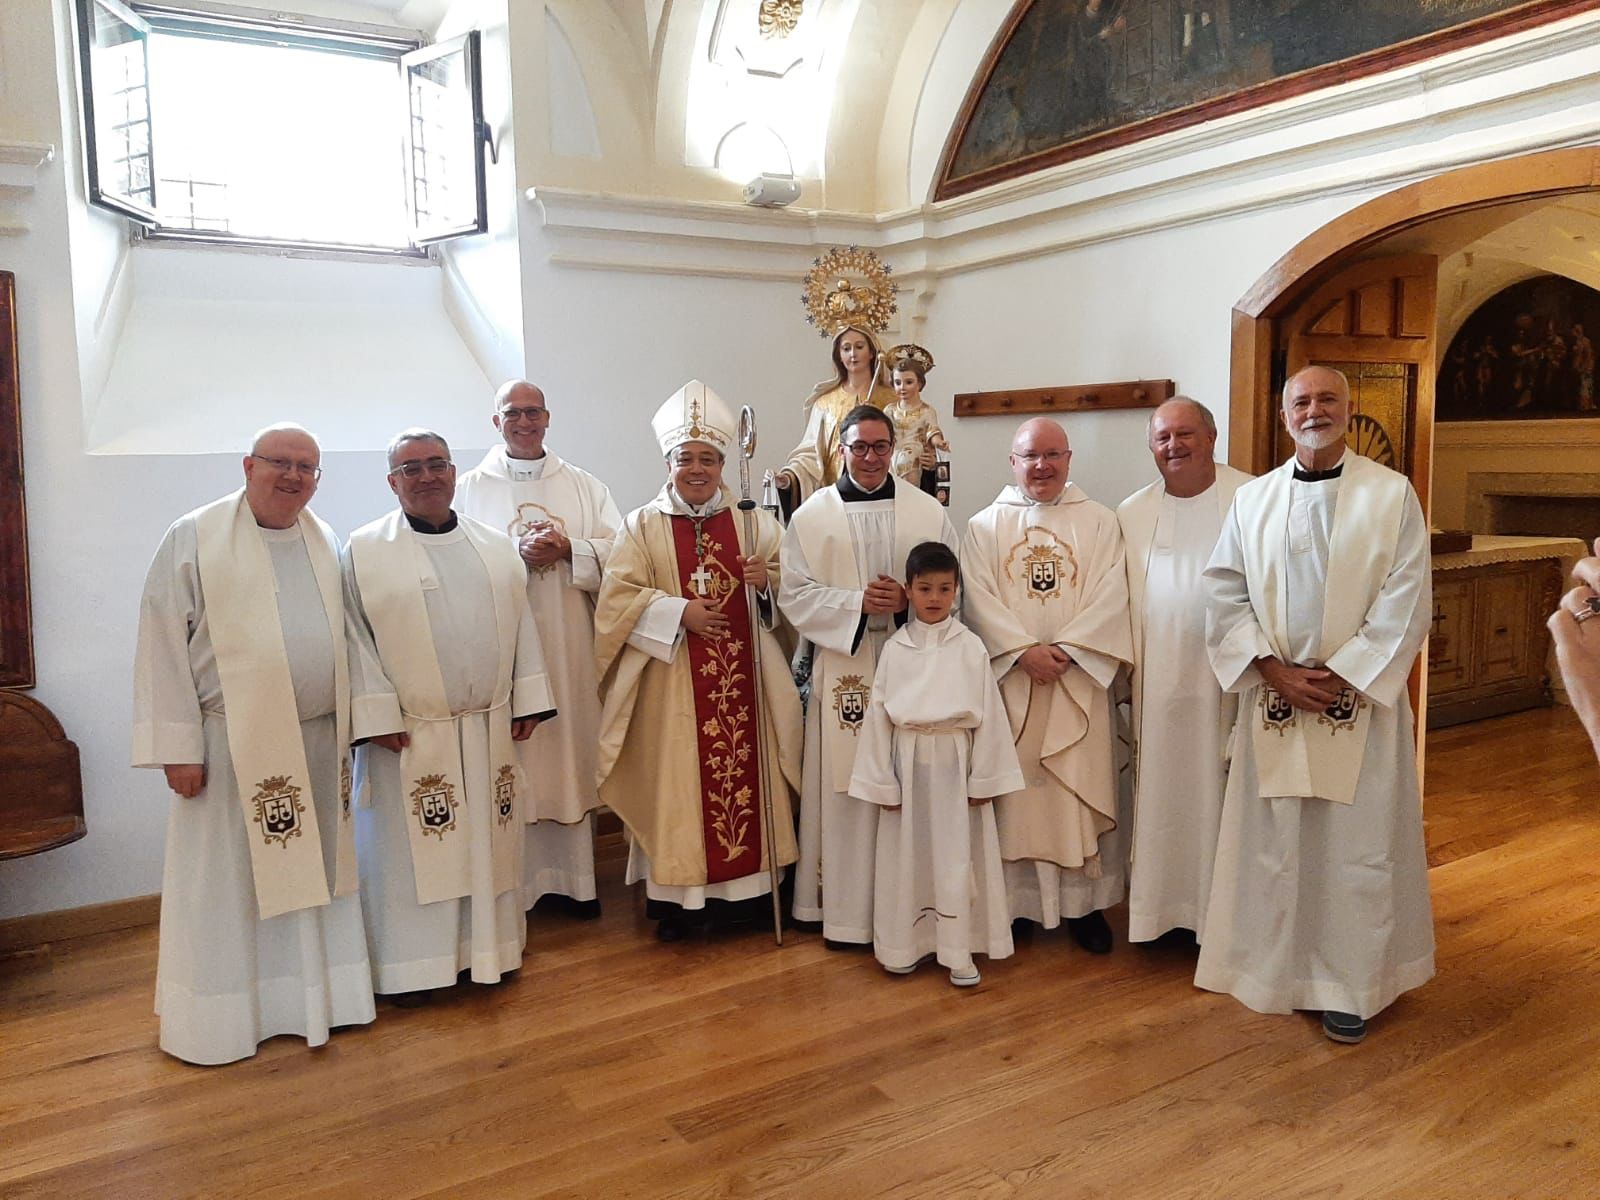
x: 1181, y: 718
x: 1044, y: 586
x: 242, y: 698
x: 1319, y: 595
x: 563, y: 521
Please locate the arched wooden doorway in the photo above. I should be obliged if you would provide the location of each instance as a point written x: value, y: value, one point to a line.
x: 1335, y: 298
x: 1303, y: 289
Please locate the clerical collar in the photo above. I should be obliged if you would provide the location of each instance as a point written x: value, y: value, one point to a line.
x: 527, y: 468
x: 683, y: 508
x: 421, y: 526
x: 1304, y: 476
x: 853, y: 493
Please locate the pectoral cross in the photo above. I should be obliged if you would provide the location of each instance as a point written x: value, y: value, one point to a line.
x: 701, y: 578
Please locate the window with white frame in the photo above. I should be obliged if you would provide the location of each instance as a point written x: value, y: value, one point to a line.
x: 217, y: 124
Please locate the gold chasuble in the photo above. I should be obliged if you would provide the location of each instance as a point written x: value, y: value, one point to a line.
x: 678, y: 752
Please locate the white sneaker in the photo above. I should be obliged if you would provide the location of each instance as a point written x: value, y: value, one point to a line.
x: 899, y: 970
x: 965, y: 977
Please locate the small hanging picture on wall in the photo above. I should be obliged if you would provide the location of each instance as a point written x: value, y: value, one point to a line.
x: 1526, y: 353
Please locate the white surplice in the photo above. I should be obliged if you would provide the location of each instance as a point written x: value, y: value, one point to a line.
x: 420, y: 946
x: 838, y: 833
x: 1053, y: 575
x: 227, y: 980
x: 934, y: 735
x: 559, y: 759
x: 1315, y: 904
x: 1181, y: 717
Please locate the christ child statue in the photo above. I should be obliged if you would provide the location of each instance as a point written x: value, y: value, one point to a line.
x: 918, y: 440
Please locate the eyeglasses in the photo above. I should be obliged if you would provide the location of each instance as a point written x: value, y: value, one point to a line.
x: 523, y: 414
x: 284, y: 466
x: 427, y: 466
x: 1052, y: 457
x: 862, y: 449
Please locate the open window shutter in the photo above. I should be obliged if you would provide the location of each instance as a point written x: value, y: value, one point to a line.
x: 444, y: 140
x: 113, y: 51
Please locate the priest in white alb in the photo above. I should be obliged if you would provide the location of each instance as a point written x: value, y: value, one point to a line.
x: 1181, y: 718
x: 242, y: 697
x: 450, y: 677
x: 1319, y: 596
x: 1047, y: 591
x: 685, y: 719
x: 844, y: 557
x: 562, y: 519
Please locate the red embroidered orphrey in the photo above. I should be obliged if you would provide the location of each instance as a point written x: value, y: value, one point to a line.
x: 723, y: 676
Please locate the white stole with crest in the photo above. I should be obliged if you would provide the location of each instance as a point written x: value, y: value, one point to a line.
x: 264, y: 740
x: 392, y: 571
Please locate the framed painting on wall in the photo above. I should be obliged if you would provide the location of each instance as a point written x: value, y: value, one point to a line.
x: 1527, y: 352
x: 1068, y: 78
x: 16, y: 616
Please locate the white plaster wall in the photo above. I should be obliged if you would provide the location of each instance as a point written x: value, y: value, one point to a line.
x: 94, y: 520
x: 608, y: 347
x: 483, y: 275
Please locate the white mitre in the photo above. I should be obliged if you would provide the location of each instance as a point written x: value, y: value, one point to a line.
x: 694, y: 414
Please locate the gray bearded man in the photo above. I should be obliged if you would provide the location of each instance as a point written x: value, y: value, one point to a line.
x: 1046, y: 590
x: 242, y: 695
x: 451, y: 675
x: 563, y: 520
x: 1318, y: 603
x: 1181, y: 718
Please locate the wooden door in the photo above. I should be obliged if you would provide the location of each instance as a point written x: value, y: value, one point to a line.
x: 1375, y: 320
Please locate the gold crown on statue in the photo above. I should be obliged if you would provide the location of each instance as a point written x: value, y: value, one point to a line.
x: 909, y: 352
x: 849, y: 287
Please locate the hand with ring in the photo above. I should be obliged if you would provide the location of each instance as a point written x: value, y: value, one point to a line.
x: 1577, y: 643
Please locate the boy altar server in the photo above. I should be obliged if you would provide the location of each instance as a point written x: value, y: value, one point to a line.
x: 935, y: 749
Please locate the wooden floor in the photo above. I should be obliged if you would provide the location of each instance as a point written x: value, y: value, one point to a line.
x: 614, y: 1066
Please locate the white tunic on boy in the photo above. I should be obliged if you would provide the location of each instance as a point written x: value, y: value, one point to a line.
x: 1319, y: 898
x: 438, y: 826
x: 513, y: 494
x: 935, y: 734
x: 227, y: 978
x: 837, y: 542
x: 1181, y: 717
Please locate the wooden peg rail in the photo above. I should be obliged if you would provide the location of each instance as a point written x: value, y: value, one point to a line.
x: 1083, y: 397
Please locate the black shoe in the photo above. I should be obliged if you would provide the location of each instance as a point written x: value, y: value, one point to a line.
x: 1091, y: 932
x: 1022, y: 929
x: 1344, y: 1027
x: 410, y: 999
x: 672, y: 929
x: 579, y: 910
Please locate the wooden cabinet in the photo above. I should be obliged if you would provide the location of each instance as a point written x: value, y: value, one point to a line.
x: 1488, y: 648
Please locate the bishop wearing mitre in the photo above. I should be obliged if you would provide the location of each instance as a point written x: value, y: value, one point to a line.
x: 681, y: 698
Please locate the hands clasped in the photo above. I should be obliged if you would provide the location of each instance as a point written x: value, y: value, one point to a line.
x: 1310, y: 689
x: 1044, y: 664
x: 883, y: 595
